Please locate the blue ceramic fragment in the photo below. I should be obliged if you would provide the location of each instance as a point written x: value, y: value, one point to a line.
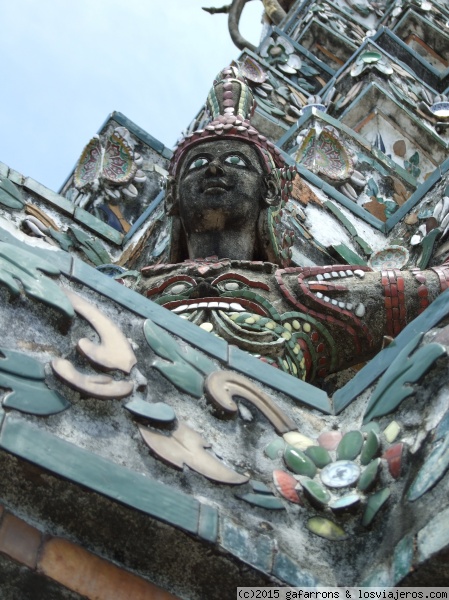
x: 263, y: 501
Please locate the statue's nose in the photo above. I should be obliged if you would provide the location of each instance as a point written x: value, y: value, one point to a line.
x: 215, y: 169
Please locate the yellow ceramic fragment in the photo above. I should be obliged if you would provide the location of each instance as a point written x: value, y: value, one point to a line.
x: 306, y: 327
x: 391, y: 432
x: 287, y: 335
x: 287, y: 326
x: 207, y: 326
x: 298, y: 440
x: 270, y: 325
x: 296, y: 325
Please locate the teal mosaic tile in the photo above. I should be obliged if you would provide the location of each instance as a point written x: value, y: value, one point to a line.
x: 98, y: 227
x: 443, y: 427
x: 158, y: 412
x: 10, y: 195
x: 254, y: 550
x: 295, y: 388
x: 350, y: 445
x: 407, y: 367
x: 62, y: 260
x: 208, y: 523
x: 427, y: 244
x: 259, y: 487
x: 99, y: 474
x: 263, y: 501
x: 433, y: 469
x: 364, y: 378
x: 349, y: 256
x: 15, y: 177
x: 25, y: 377
x: 374, y: 504
x: 20, y: 263
x: 4, y: 169
x: 434, y: 536
x: 402, y: 559
x: 285, y: 569
x: 56, y: 200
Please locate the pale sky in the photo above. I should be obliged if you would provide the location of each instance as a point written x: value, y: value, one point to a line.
x: 67, y: 64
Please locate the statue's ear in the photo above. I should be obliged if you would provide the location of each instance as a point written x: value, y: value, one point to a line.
x: 272, y: 192
x: 171, y: 197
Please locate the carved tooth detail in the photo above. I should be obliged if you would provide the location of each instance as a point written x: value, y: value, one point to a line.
x: 349, y: 306
x: 236, y: 307
x: 223, y: 305
x: 334, y: 274
x: 319, y: 295
x: 202, y: 305
x: 341, y: 304
x: 349, y: 273
x: 212, y: 305
x: 334, y: 302
x: 327, y: 276
x: 359, y: 273
x: 319, y: 277
x: 179, y: 309
x: 360, y: 310
x: 326, y: 299
x: 342, y: 274
x: 192, y: 306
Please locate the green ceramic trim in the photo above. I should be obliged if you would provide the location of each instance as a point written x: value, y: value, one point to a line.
x: 432, y: 470
x: 291, y: 386
x: 273, y: 313
x: 350, y: 445
x: 349, y: 256
x: 286, y: 569
x: 363, y: 245
x: 16, y: 177
x: 62, y: 260
x: 159, y: 412
x: 374, y: 504
x: 208, y: 523
x: 92, y: 248
x: 403, y: 558
x: 364, y: 378
x: 263, y: 501
x: 98, y: 227
x: 54, y: 199
x: 187, y: 367
x: 341, y: 217
x: 256, y: 550
x: 369, y: 475
x: 99, y: 474
x: 427, y: 244
x: 10, y: 195
x: 144, y: 136
x: 4, y: 169
x: 406, y: 368
x: 16, y: 263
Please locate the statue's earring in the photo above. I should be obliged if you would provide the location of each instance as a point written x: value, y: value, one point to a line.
x: 272, y: 192
x: 171, y: 197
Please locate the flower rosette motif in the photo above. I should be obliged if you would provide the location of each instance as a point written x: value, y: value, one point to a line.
x: 338, y: 474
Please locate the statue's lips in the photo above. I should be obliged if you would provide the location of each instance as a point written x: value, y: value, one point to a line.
x: 215, y: 187
x: 227, y: 304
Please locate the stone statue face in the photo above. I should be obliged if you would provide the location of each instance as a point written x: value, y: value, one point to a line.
x: 220, y: 186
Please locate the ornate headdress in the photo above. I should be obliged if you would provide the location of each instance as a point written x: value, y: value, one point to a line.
x: 231, y: 105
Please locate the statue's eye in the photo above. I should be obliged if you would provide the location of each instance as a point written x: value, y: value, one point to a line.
x: 235, y: 160
x: 199, y: 162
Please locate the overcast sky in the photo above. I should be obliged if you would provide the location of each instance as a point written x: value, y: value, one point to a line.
x: 67, y: 64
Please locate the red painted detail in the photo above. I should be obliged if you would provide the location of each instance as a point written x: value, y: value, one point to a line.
x: 393, y: 456
x: 250, y: 282
x: 285, y: 485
